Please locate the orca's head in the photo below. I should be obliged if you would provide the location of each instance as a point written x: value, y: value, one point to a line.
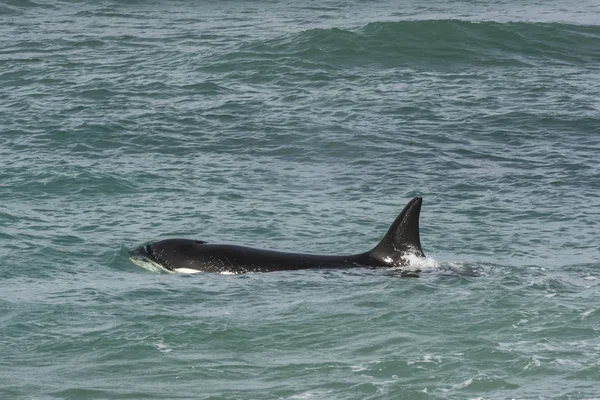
x: 171, y: 255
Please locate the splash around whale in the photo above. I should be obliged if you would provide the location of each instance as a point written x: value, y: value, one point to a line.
x: 398, y: 246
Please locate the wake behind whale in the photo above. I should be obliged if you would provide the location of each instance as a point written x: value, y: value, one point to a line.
x: 398, y: 246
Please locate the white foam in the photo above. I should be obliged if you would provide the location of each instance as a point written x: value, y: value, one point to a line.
x: 424, y: 263
x: 427, y: 358
x: 416, y: 262
x: 358, y: 368
x: 148, y: 264
x: 162, y: 347
x: 318, y: 394
x: 463, y: 384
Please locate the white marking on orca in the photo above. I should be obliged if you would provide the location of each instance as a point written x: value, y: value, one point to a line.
x: 186, y: 270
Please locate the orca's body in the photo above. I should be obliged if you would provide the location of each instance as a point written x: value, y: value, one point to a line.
x: 189, y: 256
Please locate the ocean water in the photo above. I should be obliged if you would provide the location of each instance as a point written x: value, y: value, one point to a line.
x: 303, y: 126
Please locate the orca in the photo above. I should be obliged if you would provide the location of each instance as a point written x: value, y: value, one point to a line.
x: 190, y: 256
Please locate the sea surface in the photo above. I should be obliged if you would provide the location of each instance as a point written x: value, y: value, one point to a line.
x: 303, y: 126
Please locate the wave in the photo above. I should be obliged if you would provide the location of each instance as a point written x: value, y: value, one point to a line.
x: 442, y: 41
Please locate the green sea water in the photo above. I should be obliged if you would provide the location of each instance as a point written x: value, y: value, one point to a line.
x: 303, y: 126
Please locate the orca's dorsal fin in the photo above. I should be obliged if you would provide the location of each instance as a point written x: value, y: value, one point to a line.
x: 403, y: 236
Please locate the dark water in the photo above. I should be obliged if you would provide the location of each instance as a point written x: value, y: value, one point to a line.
x: 301, y: 126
